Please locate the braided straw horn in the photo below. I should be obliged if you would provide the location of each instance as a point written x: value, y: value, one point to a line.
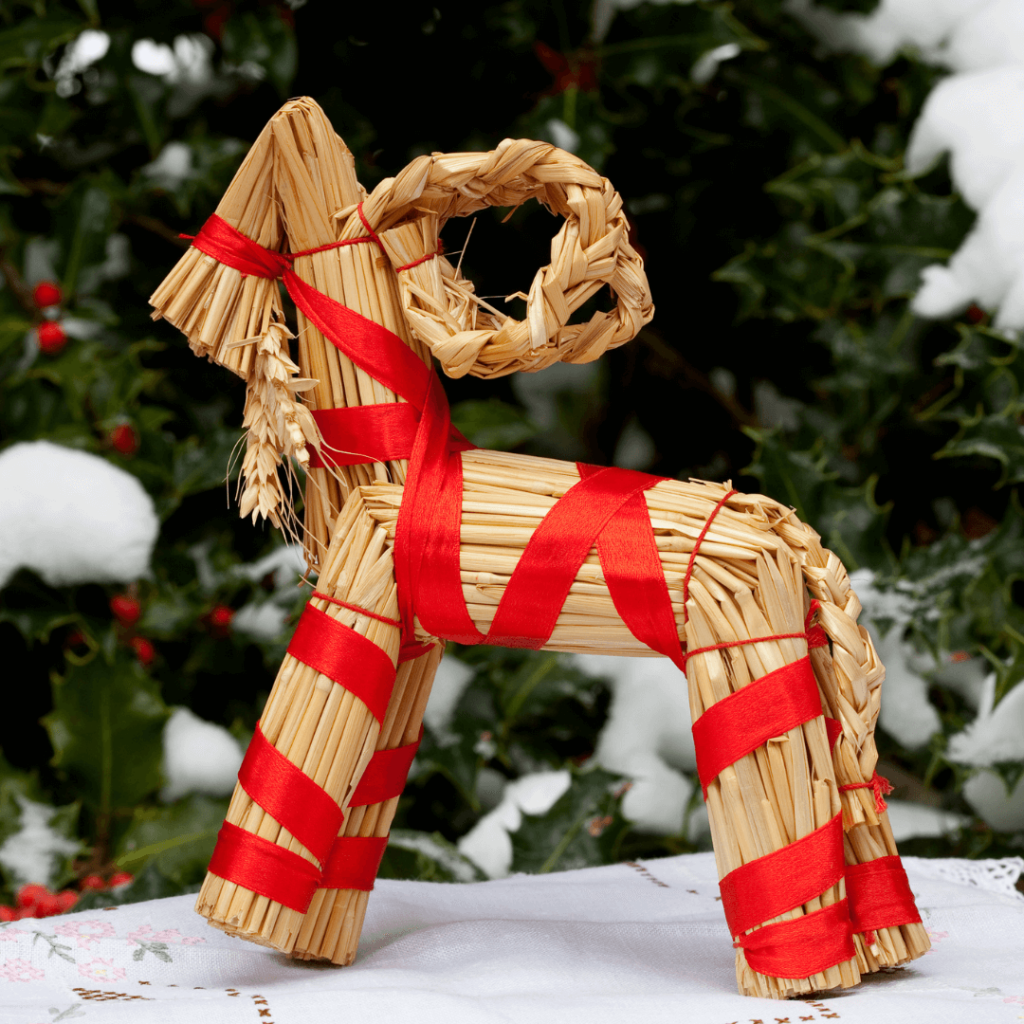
x: 592, y: 249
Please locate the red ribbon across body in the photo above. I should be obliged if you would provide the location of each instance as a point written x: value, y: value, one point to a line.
x: 606, y: 509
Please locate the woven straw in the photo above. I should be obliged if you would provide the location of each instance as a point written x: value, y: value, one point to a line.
x: 591, y: 250
x: 752, y: 576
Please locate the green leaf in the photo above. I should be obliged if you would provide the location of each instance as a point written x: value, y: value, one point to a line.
x: 14, y: 783
x: 991, y: 437
x: 106, y: 729
x: 200, y: 465
x: 574, y: 833
x: 265, y: 39
x: 426, y: 857
x: 35, y: 623
x: 28, y: 42
x: 493, y: 424
x: 177, y: 841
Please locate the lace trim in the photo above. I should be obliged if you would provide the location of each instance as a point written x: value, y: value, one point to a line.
x: 995, y: 875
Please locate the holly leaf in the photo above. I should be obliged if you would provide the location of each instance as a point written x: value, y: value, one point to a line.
x: 426, y: 857
x: 106, y: 730
x: 177, y: 841
x: 576, y: 832
x: 493, y: 424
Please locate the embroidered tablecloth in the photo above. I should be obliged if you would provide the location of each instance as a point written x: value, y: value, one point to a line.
x: 632, y: 942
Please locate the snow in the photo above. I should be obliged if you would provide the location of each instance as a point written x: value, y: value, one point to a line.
x: 267, y: 619
x: 647, y: 738
x: 997, y: 734
x: 429, y: 846
x: 172, y: 167
x: 562, y: 135
x: 488, y: 844
x: 915, y: 821
x: 79, y: 55
x: 31, y: 854
x: 199, y: 757
x: 187, y: 62
x: 72, y: 517
x: 976, y: 116
x: 707, y: 63
x: 986, y: 793
x: 965, y: 676
x: 152, y: 57
x: 906, y: 712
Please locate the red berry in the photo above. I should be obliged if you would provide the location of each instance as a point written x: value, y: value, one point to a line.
x: 51, y: 337
x: 127, y: 610
x: 124, y: 439
x: 8, y: 913
x: 20, y: 915
x: 92, y: 882
x: 221, y: 616
x: 120, y: 878
x: 975, y: 314
x: 30, y: 895
x: 48, y: 905
x: 144, y: 650
x: 46, y: 293
x: 66, y: 899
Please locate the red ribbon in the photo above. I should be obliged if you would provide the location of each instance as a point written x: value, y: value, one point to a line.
x: 385, y: 775
x: 880, y: 895
x: 803, y: 946
x: 370, y: 433
x: 784, y: 880
x: 353, y: 863
x: 342, y: 654
x: 743, y: 721
x: 290, y: 796
x: 264, y: 867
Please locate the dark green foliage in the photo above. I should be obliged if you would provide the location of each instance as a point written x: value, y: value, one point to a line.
x: 783, y: 239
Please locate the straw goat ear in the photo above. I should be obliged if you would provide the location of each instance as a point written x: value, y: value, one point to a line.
x: 592, y: 250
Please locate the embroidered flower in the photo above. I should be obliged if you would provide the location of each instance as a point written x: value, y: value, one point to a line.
x: 101, y: 970
x: 10, y: 934
x: 170, y: 935
x: 20, y: 970
x: 146, y: 932
x: 85, y: 933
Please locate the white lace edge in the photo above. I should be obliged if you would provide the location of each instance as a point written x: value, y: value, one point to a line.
x: 994, y: 875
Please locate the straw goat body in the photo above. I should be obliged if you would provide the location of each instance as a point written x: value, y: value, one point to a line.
x: 753, y: 576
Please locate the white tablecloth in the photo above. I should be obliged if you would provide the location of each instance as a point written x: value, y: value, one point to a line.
x: 643, y: 942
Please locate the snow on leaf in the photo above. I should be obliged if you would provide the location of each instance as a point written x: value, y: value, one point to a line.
x: 72, y: 517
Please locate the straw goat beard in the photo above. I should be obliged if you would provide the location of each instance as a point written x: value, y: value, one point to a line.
x: 279, y: 428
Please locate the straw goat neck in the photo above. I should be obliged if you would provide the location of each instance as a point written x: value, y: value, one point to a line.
x: 725, y: 588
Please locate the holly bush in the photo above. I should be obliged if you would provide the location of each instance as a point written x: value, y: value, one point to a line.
x: 783, y: 238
